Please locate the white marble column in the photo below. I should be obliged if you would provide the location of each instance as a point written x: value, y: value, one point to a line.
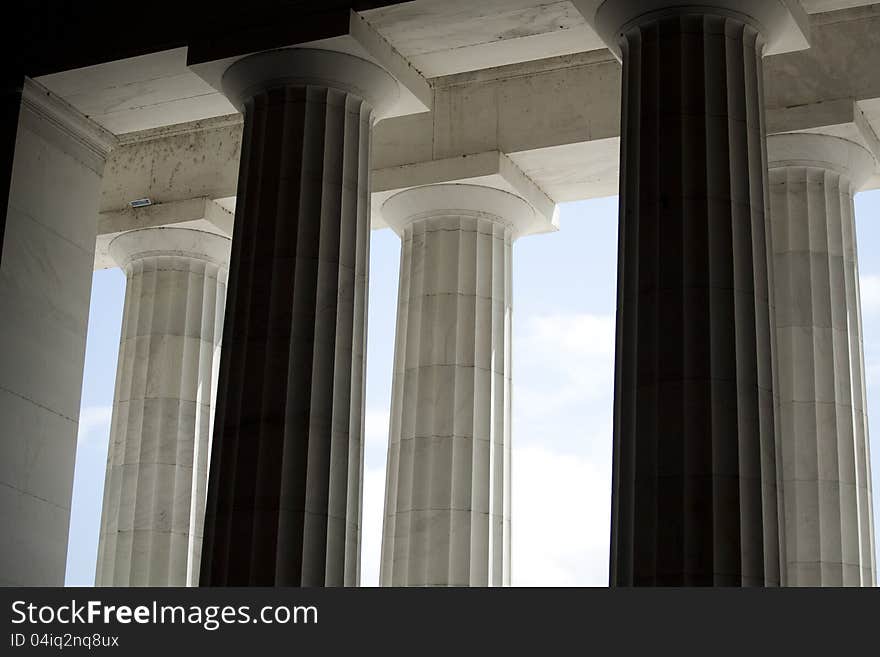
x: 824, y: 424
x: 284, y: 500
x: 160, y: 436
x: 447, y: 501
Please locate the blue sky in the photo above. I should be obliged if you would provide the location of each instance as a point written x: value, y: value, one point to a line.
x: 563, y: 362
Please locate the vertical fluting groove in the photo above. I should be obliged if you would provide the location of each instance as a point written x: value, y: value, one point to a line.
x: 424, y: 421
x: 667, y: 304
x: 694, y: 466
x: 256, y: 472
x: 362, y: 270
x: 399, y: 560
x: 839, y: 460
x: 363, y: 285
x: 154, y: 490
x: 347, y: 505
x: 447, y: 491
x: 623, y: 462
x: 506, y: 483
x: 771, y: 445
x: 304, y: 145
x: 829, y: 532
x: 286, y: 469
x: 645, y: 493
x: 316, y: 548
x: 137, y: 476
x: 216, y: 557
x: 470, y: 561
x: 229, y: 398
x: 478, y: 552
x: 696, y: 449
x: 132, y: 447
x: 343, y: 436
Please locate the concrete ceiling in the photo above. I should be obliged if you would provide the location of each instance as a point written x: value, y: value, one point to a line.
x: 139, y: 93
x: 818, y: 6
x: 437, y: 37
x: 442, y: 38
x: 519, y: 93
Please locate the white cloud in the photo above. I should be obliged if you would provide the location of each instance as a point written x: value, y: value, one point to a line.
x: 376, y: 425
x: 561, y: 480
x: 94, y: 426
x: 371, y: 537
x: 375, y: 441
x: 869, y: 287
x: 872, y: 373
x: 561, y: 487
x: 561, y: 360
x: 574, y: 335
x: 561, y: 509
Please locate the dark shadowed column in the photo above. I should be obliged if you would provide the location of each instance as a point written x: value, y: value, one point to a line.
x: 284, y: 492
x: 694, y: 467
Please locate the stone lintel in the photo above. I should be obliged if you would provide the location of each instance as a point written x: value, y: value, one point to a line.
x: 490, y: 169
x: 199, y: 213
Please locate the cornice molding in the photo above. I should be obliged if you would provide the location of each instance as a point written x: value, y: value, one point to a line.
x: 190, y: 127
x: 41, y: 108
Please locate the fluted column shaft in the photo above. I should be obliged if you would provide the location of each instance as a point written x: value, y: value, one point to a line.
x: 447, y: 502
x: 694, y: 464
x: 157, y: 463
x: 284, y: 500
x: 823, y: 419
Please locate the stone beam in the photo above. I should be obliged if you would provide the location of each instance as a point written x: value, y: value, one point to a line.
x: 200, y: 213
x: 198, y: 159
x: 489, y: 169
x: 841, y: 63
x: 557, y: 120
x: 507, y: 108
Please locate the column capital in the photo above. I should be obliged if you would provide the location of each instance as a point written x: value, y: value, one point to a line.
x: 151, y: 242
x: 783, y: 23
x: 462, y: 199
x: 296, y: 66
x: 807, y: 149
